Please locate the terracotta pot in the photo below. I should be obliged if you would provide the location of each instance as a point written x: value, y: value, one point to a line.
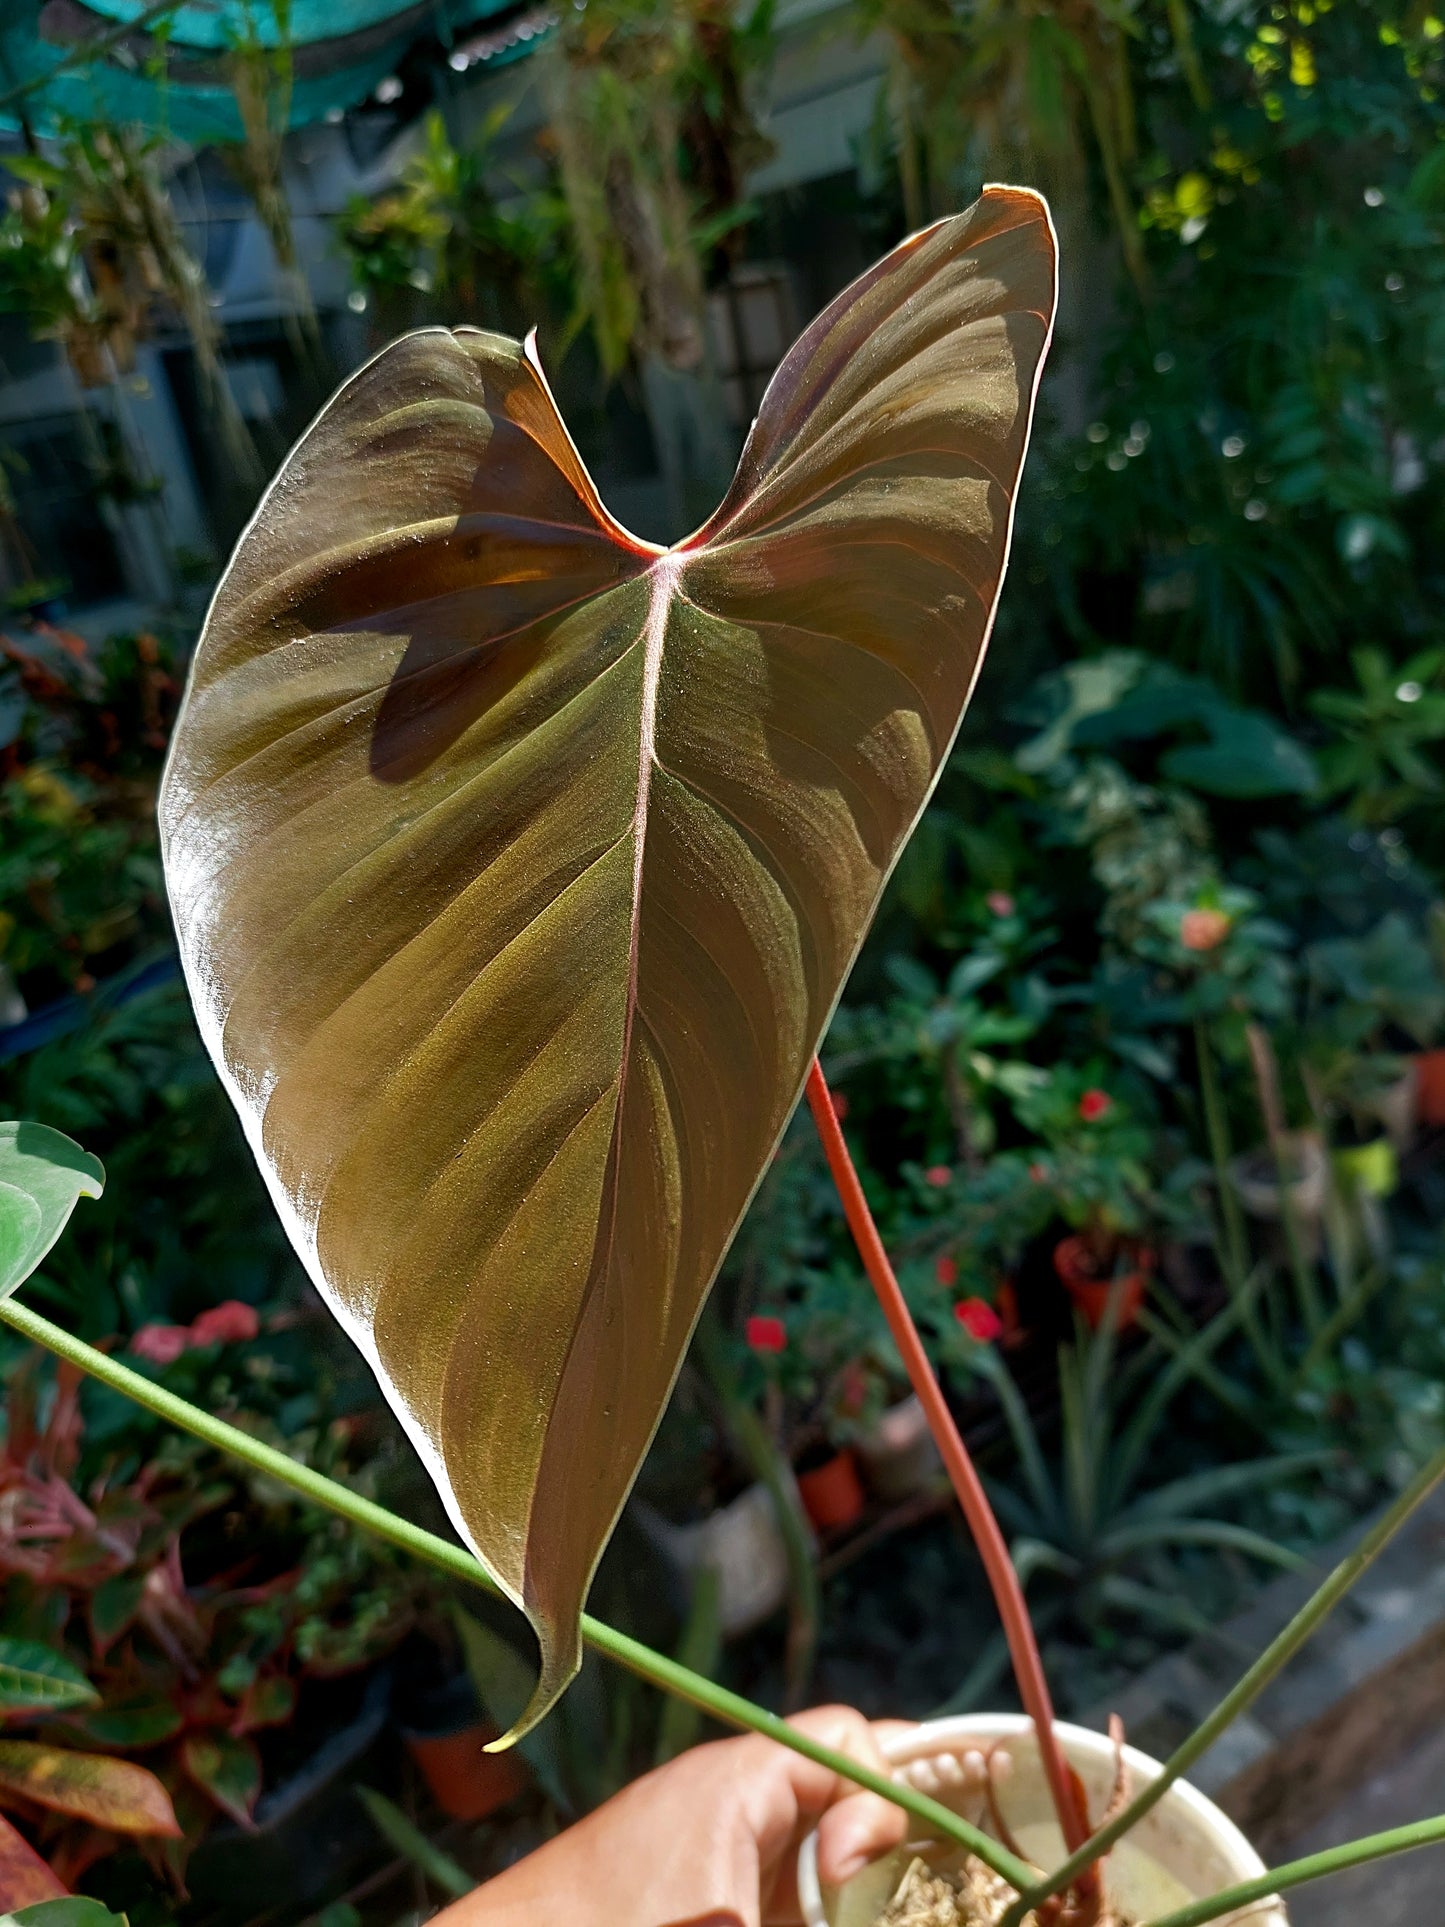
x: 1183, y: 1850
x: 446, y: 1733
x: 1090, y: 1293
x: 898, y: 1455
x: 1430, y: 1088
x: 466, y: 1781
x: 832, y: 1493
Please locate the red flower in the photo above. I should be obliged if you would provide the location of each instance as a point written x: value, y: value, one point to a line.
x: 765, y: 1334
x: 1000, y: 902
x: 1203, y: 929
x: 945, y: 1270
x: 1038, y: 1173
x: 229, y: 1323
x: 161, y: 1344
x: 939, y: 1176
x: 840, y: 1105
x: 978, y: 1319
x: 1094, y: 1104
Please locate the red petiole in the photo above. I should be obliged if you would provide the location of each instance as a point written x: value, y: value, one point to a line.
x: 984, y: 1527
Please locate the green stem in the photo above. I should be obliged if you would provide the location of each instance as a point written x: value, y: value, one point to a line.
x: 1294, y: 1873
x: 730, y: 1708
x: 1345, y: 1314
x: 1236, y: 1243
x: 1270, y: 1662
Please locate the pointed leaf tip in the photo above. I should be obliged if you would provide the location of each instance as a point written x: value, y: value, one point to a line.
x: 517, y: 867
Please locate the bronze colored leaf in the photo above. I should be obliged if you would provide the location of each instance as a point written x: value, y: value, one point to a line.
x: 89, y: 1786
x: 518, y: 864
x: 25, y: 1879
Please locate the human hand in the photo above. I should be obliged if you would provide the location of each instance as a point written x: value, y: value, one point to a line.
x: 709, y: 1840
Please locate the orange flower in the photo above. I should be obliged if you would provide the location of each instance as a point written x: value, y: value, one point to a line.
x: 1203, y: 929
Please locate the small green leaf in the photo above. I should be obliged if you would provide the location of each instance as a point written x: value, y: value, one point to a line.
x: 226, y: 1768
x: 34, y: 1678
x: 42, y: 1174
x: 267, y: 1702
x: 74, y: 1912
x: 19, y: 1230
x: 412, y: 1844
x: 113, y: 1607
x: 134, y: 1722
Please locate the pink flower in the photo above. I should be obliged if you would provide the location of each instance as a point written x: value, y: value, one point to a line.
x: 945, y: 1270
x: 229, y: 1323
x: 939, y: 1176
x: 1000, y: 902
x: 1095, y: 1104
x: 978, y: 1319
x: 1203, y: 929
x: 765, y: 1334
x: 1038, y: 1173
x: 840, y: 1105
x: 161, y: 1344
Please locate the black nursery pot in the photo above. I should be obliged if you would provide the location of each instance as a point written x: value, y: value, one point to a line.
x: 311, y: 1836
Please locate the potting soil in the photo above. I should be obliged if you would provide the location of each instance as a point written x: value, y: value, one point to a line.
x: 974, y: 1896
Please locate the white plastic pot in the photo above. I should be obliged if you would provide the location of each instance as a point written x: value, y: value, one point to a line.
x: 742, y: 1543
x: 899, y: 1455
x: 1183, y: 1849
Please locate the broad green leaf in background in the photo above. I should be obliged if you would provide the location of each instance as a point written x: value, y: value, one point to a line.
x: 35, y: 1678
x: 108, y: 1793
x: 518, y: 864
x: 42, y: 1174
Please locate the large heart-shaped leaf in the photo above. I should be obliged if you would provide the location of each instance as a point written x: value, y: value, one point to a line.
x: 42, y: 1174
x: 518, y: 865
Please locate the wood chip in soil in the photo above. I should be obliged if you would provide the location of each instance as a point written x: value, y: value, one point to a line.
x: 975, y: 1896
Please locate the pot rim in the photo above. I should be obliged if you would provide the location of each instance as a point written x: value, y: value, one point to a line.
x: 940, y: 1735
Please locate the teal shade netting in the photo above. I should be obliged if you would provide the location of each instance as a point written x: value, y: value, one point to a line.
x: 130, y: 61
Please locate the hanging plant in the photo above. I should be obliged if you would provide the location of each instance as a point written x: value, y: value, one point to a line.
x: 43, y: 278
x: 261, y: 77
x: 652, y: 134
x: 104, y: 261
x: 441, y: 234
x: 981, y: 85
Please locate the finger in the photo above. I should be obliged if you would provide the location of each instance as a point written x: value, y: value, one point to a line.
x: 815, y: 1793
x: 854, y: 1831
